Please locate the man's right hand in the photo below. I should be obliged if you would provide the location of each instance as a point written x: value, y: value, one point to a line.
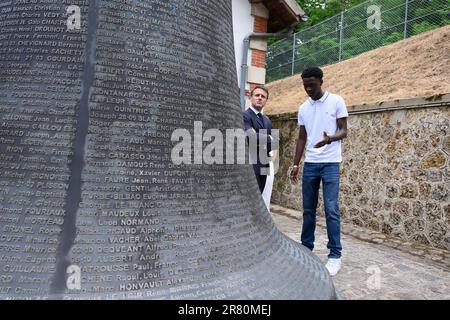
x: 294, y: 174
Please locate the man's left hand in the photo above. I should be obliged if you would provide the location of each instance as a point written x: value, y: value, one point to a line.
x: 325, y: 141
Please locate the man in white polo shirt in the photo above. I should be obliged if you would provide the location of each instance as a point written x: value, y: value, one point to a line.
x: 323, y: 124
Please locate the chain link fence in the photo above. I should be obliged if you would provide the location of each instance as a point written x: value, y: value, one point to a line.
x: 369, y: 25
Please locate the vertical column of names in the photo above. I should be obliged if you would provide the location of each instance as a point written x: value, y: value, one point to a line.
x: 41, y: 66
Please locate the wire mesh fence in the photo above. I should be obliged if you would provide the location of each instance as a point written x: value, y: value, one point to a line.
x: 370, y: 25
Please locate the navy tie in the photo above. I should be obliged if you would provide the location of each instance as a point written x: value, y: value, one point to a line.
x: 260, y: 116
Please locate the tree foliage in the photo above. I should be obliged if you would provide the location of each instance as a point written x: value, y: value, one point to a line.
x: 319, y: 10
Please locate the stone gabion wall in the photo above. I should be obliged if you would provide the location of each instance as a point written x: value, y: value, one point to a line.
x: 395, y: 175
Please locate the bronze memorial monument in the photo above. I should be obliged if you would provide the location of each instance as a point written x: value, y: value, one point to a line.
x: 91, y: 204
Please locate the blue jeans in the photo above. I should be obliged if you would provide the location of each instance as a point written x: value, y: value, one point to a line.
x: 328, y: 173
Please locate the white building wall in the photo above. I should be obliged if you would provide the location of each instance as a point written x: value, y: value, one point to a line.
x: 242, y: 26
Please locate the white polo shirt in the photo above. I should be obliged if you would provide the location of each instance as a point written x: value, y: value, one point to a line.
x: 320, y: 116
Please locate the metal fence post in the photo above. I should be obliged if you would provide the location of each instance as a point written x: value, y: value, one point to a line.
x: 405, y: 30
x: 293, y: 56
x: 341, y: 34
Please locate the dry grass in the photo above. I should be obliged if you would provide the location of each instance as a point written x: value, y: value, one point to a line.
x: 415, y: 67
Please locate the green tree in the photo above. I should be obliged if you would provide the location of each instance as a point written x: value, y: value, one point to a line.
x: 319, y: 10
x: 393, y: 37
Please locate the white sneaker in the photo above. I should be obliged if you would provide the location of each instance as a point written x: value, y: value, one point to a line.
x: 333, y: 266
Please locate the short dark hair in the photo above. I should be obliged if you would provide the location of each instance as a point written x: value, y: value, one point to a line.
x: 260, y: 87
x: 310, y: 72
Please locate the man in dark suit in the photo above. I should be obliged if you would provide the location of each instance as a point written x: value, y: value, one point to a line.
x: 258, y: 128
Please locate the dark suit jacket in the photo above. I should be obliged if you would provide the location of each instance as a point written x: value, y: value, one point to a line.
x: 251, y: 121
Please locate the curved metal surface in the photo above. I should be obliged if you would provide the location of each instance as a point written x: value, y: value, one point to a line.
x: 91, y: 204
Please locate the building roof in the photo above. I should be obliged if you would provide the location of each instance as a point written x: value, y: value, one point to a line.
x: 283, y: 14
